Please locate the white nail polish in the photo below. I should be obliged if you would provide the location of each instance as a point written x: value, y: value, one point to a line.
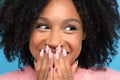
x: 42, y: 53
x: 50, y: 54
x: 77, y: 62
x: 64, y: 52
x: 35, y: 64
x: 47, y: 49
x: 58, y: 49
x: 57, y: 55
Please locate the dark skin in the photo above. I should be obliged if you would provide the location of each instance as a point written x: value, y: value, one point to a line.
x: 55, y: 70
x: 59, y: 43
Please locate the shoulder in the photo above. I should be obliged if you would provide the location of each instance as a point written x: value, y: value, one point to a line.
x: 10, y: 75
x: 87, y: 74
x: 26, y: 74
x: 112, y: 74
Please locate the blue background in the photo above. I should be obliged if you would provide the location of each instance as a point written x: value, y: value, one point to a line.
x: 6, y: 66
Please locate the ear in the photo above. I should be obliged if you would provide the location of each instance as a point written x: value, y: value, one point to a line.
x: 84, y: 36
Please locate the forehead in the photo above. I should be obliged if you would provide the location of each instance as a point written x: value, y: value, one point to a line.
x: 60, y: 3
x: 59, y: 7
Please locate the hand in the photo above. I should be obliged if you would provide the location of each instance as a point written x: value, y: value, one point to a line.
x: 42, y: 65
x: 62, y: 69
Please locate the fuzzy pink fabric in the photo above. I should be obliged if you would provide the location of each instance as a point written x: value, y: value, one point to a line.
x: 81, y: 74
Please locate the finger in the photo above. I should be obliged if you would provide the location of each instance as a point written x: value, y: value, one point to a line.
x: 63, y: 66
x: 50, y: 74
x: 38, y: 62
x: 75, y: 67
x: 56, y: 74
x: 69, y: 73
x: 57, y: 69
x: 50, y: 64
x: 43, y: 68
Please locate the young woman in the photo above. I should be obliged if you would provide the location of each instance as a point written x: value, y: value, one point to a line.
x: 60, y: 39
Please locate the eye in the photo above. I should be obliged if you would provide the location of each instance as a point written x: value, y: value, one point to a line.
x: 70, y: 28
x: 43, y: 26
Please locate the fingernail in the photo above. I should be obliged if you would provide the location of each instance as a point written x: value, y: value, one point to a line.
x: 47, y: 49
x: 42, y: 53
x: 50, y: 54
x: 57, y: 55
x: 64, y: 52
x: 58, y: 49
x: 77, y: 62
x: 35, y: 63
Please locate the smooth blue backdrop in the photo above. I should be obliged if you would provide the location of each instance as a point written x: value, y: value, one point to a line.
x: 6, y: 66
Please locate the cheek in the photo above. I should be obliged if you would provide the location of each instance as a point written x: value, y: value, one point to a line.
x: 76, y: 46
x: 76, y: 50
x: 34, y: 39
x: 34, y: 43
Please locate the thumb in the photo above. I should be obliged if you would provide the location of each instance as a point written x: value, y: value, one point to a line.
x: 75, y: 66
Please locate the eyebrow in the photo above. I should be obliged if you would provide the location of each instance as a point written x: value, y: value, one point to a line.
x: 64, y: 22
x: 71, y: 20
x: 43, y: 19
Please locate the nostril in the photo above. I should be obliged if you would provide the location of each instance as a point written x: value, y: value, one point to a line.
x: 52, y: 46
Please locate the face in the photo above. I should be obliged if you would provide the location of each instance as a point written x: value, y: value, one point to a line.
x: 59, y: 24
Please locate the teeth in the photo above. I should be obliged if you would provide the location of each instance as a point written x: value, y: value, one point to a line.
x: 42, y: 53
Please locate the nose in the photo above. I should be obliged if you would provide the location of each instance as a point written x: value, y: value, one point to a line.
x: 53, y: 40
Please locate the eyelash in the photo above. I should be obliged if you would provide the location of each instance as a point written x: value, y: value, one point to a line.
x: 71, y: 27
x: 43, y: 26
x: 66, y: 28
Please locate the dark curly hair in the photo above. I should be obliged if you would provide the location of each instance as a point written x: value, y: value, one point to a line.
x: 101, y: 23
